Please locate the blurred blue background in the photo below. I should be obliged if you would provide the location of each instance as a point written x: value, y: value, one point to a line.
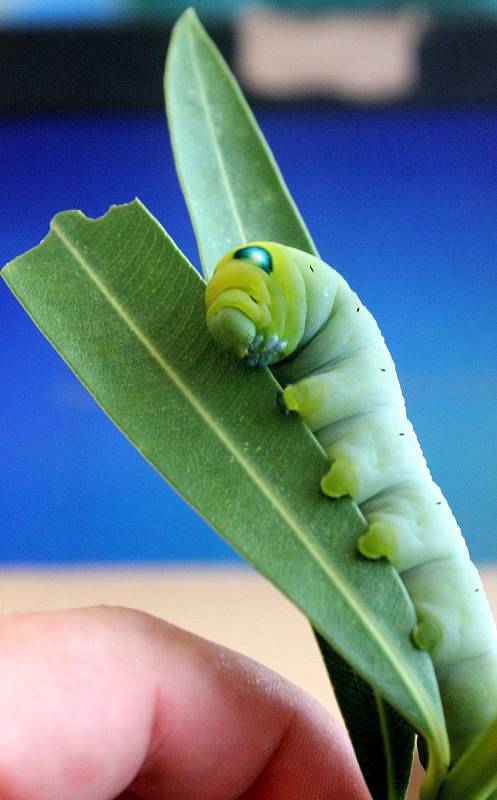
x: 402, y: 200
x: 47, y: 12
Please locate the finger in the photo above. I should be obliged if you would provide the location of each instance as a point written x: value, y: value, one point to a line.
x: 98, y: 702
x: 240, y: 730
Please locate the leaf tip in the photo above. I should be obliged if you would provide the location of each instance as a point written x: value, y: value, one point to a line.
x: 191, y: 14
x: 188, y: 17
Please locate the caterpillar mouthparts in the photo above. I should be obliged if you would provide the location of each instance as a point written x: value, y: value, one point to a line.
x: 262, y: 352
x: 232, y: 330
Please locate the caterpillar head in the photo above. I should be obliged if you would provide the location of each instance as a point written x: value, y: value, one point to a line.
x: 258, y: 301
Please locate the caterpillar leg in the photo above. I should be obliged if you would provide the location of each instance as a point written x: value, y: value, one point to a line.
x: 341, y: 479
x: 379, y: 541
x: 428, y: 633
x: 303, y: 398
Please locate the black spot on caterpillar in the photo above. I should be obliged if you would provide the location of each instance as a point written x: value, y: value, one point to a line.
x: 304, y: 323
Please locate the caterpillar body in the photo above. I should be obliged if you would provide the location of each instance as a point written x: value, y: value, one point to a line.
x: 273, y: 305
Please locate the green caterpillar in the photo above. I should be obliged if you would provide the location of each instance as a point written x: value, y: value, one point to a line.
x: 272, y: 305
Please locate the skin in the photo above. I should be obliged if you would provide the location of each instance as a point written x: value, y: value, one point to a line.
x: 107, y: 703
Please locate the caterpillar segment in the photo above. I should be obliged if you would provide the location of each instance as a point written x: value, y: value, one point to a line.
x: 273, y: 305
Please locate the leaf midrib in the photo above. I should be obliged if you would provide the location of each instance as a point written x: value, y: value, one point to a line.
x: 216, y: 146
x: 264, y: 487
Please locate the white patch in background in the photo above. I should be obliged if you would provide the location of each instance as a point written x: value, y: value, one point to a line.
x: 357, y: 57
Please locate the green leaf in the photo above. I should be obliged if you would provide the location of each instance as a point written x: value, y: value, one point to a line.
x: 232, y: 185
x: 125, y: 309
x: 383, y: 740
x: 474, y: 776
x: 235, y: 194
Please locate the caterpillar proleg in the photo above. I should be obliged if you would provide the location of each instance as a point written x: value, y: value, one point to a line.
x: 272, y: 305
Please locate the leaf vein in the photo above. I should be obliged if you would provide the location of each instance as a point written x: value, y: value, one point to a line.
x: 391, y: 790
x: 215, y: 142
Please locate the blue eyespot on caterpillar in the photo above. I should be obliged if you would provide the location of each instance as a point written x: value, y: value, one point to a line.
x: 255, y: 254
x: 272, y: 305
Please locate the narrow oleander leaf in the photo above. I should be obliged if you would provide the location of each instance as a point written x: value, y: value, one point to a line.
x: 126, y: 311
x: 235, y: 194
x: 233, y: 188
x: 384, y: 740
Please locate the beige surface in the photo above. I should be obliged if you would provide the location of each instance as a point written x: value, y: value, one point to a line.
x: 361, y: 57
x: 233, y: 606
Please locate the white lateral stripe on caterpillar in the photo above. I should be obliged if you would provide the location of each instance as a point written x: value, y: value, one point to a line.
x: 328, y: 352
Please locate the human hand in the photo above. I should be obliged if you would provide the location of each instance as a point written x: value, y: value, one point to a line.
x: 108, y: 703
